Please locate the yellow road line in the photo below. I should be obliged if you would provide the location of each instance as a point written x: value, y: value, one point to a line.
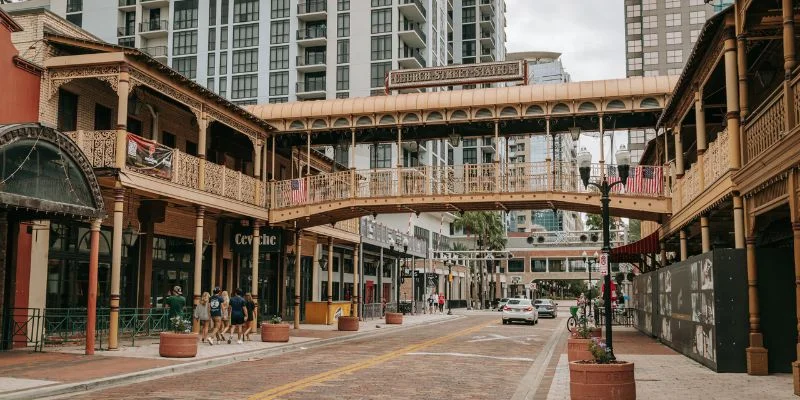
x: 335, y: 373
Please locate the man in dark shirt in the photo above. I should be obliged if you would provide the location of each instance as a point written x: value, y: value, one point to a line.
x: 238, y: 314
x: 215, y: 309
x: 176, y: 302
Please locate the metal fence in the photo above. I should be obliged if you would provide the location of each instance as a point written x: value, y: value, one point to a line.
x: 619, y: 317
x: 21, y: 327
x: 372, y: 311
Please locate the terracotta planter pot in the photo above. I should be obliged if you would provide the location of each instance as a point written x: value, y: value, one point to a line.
x: 177, y: 345
x: 348, y: 324
x: 394, y: 318
x: 602, y: 381
x: 274, y: 332
x: 578, y: 349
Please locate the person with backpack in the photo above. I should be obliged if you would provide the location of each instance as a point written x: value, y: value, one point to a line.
x: 215, y: 311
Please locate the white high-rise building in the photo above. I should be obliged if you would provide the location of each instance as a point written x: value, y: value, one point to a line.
x: 259, y: 51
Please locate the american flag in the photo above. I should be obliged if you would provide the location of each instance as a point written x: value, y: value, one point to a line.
x: 298, y: 191
x: 646, y: 179
x: 612, y: 176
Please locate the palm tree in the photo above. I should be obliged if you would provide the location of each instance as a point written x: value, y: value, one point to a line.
x: 488, y: 230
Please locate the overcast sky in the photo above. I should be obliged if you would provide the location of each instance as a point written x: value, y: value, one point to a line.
x: 589, y: 33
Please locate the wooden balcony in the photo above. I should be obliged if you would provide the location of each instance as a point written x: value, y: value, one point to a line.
x: 176, y: 174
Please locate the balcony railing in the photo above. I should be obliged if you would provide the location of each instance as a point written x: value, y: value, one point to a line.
x: 414, y: 27
x: 311, y: 33
x: 418, y: 4
x: 126, y: 30
x: 153, y: 25
x: 462, y: 179
x: 716, y: 160
x: 124, y: 3
x: 408, y: 52
x: 766, y: 126
x: 311, y: 59
x: 312, y: 86
x: 155, y: 51
x: 182, y: 170
x: 311, y: 7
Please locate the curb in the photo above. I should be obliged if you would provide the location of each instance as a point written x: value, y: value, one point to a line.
x: 107, y: 382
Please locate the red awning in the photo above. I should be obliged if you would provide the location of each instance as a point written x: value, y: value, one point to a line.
x: 630, y: 252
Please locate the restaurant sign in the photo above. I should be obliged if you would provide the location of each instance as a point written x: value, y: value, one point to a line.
x: 242, y: 240
x: 505, y: 71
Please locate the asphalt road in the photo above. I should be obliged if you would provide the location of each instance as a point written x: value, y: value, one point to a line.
x: 472, y: 357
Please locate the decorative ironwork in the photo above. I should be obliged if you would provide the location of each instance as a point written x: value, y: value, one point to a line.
x: 186, y: 169
x: 138, y: 77
x: 61, y: 76
x: 214, y: 179
x: 253, y: 134
x: 99, y: 147
x: 769, y: 191
x: 766, y: 126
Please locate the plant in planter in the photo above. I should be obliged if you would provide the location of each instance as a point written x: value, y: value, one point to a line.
x: 589, y: 379
x: 577, y: 345
x: 394, y: 318
x: 347, y: 323
x: 274, y: 330
x: 181, y: 342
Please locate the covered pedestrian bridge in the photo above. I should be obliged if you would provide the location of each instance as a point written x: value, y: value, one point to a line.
x: 408, y: 120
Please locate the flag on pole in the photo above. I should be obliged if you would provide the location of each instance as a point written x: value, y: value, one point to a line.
x: 298, y: 191
x: 612, y: 176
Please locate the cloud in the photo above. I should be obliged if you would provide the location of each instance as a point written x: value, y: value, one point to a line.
x: 590, y: 34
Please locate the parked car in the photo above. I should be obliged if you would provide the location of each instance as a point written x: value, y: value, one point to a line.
x: 520, y: 310
x: 501, y: 303
x: 546, y: 307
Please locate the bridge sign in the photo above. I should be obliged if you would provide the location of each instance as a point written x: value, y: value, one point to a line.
x: 603, y: 263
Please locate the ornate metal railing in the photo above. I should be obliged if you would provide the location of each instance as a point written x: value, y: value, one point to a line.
x: 691, y: 187
x: 184, y: 170
x: 458, y: 180
x: 98, y: 146
x: 63, y: 326
x: 766, y: 126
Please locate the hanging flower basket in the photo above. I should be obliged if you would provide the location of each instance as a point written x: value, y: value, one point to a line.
x: 394, y: 318
x: 349, y: 324
x: 613, y: 381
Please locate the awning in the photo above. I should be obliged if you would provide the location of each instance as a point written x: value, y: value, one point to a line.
x: 630, y: 253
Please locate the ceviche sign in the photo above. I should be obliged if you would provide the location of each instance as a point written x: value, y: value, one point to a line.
x: 506, y: 71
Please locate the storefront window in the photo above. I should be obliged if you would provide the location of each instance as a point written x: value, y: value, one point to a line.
x: 68, y: 267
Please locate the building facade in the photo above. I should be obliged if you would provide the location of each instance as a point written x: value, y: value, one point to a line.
x: 660, y: 34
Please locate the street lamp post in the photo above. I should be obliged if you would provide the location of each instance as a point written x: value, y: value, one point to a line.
x: 489, y: 260
x: 449, y: 262
x: 623, y: 168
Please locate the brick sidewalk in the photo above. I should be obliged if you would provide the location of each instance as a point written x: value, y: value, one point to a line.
x: 57, y: 366
x: 662, y: 373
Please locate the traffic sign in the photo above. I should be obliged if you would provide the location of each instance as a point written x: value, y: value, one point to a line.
x: 532, y: 286
x: 604, y: 263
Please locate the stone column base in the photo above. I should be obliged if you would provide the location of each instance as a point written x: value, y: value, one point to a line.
x: 757, y: 361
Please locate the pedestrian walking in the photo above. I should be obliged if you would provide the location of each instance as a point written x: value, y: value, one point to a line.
x: 203, y: 315
x: 441, y: 303
x: 238, y: 308
x: 226, y: 315
x: 433, y: 300
x: 251, y: 312
x: 215, y: 310
x: 175, y: 303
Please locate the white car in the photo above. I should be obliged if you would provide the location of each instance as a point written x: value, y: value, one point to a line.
x: 520, y: 310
